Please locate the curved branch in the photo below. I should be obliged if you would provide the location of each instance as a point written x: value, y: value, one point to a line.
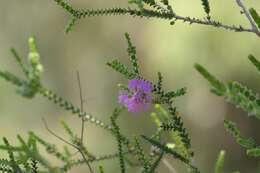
x: 163, y: 13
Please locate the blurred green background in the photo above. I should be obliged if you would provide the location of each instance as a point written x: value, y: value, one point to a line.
x: 171, y: 50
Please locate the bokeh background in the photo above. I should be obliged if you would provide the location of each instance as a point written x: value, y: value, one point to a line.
x: 172, y: 50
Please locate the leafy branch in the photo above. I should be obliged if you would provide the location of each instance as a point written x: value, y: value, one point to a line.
x: 163, y: 10
x: 32, y: 85
x: 242, y: 97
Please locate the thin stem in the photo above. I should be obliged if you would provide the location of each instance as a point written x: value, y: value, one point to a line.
x: 81, y: 107
x: 163, y: 14
x: 82, y: 122
x: 74, y: 146
x: 248, y: 16
x: 57, y: 136
x: 86, y: 160
x: 61, y: 102
x: 68, y: 106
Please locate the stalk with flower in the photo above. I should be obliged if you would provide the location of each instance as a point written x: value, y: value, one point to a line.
x: 138, y: 96
x: 141, y: 94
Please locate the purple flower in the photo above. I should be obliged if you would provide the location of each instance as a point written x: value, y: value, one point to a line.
x: 138, y: 97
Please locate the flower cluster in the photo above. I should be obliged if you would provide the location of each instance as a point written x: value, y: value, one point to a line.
x: 138, y: 96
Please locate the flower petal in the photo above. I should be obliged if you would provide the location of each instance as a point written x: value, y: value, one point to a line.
x: 139, y: 97
x: 123, y: 97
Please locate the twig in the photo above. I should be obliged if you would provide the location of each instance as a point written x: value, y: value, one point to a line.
x: 86, y: 161
x: 57, y: 136
x: 81, y: 107
x: 82, y: 122
x: 74, y: 146
x: 100, y: 158
x: 163, y: 14
x: 248, y: 16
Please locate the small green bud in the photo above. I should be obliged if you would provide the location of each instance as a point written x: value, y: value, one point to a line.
x: 171, y: 145
x: 33, y: 58
x: 39, y: 68
x: 32, y: 44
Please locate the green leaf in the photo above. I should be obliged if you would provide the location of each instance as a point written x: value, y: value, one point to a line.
x: 67, y: 128
x: 255, y: 16
x: 243, y: 97
x: 232, y: 128
x: 163, y: 116
x: 205, y: 4
x: 70, y: 25
x: 159, y: 83
x: 132, y: 54
x: 167, y: 150
x: 178, y: 93
x: 254, y: 152
x: 101, y: 169
x: 65, y: 5
x: 145, y: 160
x: 220, y: 162
x: 116, y: 130
x: 246, y: 143
x: 218, y: 86
x: 19, y: 61
x: 50, y: 148
x: 14, y: 164
x: 121, y: 68
x: 254, y: 61
x: 63, y: 103
x: 175, y: 154
x: 9, y: 77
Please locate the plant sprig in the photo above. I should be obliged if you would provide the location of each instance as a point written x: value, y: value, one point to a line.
x: 163, y: 11
x: 241, y: 96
